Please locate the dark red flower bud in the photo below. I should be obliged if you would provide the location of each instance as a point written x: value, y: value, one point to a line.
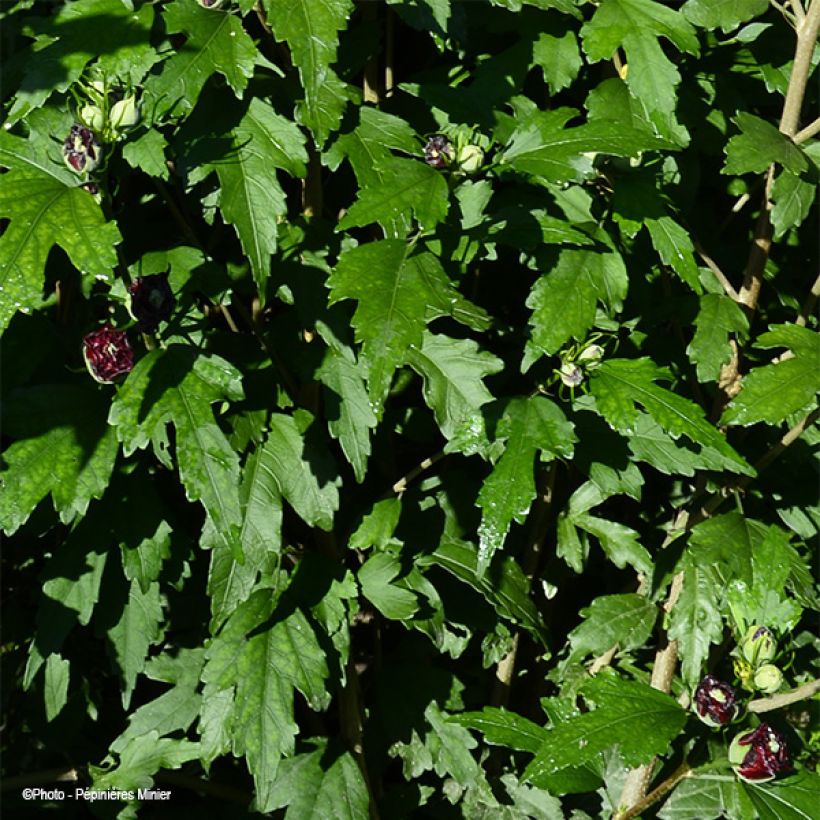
x: 715, y: 702
x: 759, y: 755
x: 438, y: 152
x: 151, y: 301
x: 107, y: 354
x: 81, y: 151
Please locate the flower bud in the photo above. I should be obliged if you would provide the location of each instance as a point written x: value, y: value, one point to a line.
x: 107, y: 354
x: 152, y: 301
x: 759, y: 645
x: 438, y: 152
x: 759, y: 755
x: 591, y: 356
x: 715, y: 702
x: 768, y: 678
x: 125, y: 113
x: 81, y: 151
x: 92, y: 116
x: 571, y: 375
x: 470, y: 158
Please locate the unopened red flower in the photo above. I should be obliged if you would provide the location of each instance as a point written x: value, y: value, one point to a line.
x: 81, y: 151
x: 438, y: 152
x: 760, y: 755
x: 107, y: 354
x: 152, y: 301
x: 715, y: 702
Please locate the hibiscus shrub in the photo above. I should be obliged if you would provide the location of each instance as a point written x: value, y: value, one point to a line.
x: 409, y: 408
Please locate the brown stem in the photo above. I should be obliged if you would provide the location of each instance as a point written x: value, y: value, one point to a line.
x: 807, y: 308
x: 804, y: 692
x: 390, y: 53
x: 20, y: 781
x: 370, y: 82
x: 806, y: 39
x: 312, y: 194
x: 808, y: 132
x: 683, y: 771
x: 401, y: 485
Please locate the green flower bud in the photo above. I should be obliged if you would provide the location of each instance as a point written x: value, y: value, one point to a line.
x: 768, y: 678
x: 470, y: 158
x: 591, y: 356
x: 92, y: 117
x: 759, y: 645
x: 125, y: 113
x: 571, y: 375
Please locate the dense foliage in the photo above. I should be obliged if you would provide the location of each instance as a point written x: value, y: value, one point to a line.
x: 409, y: 408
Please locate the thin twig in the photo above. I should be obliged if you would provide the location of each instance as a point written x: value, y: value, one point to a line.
x: 799, y: 11
x: 389, y: 52
x: 683, y: 771
x: 401, y: 485
x: 713, y: 266
x: 807, y: 308
x: 809, y: 131
x: 804, y: 692
x: 19, y: 781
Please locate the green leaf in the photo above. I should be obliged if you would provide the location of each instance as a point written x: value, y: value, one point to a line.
x: 793, y: 798
x: 72, y: 37
x: 174, y: 710
x: 63, y: 448
x: 46, y: 208
x: 138, y: 627
x: 529, y: 425
x: 264, y: 659
x: 792, y: 198
x: 640, y: 720
x: 147, y: 153
x: 350, y: 418
x: 758, y: 145
x: 619, y: 542
x: 502, y: 728
x: 564, y: 301
x: 405, y: 187
x: 675, y: 249
x: 370, y: 143
x: 619, y: 384
x: 179, y: 385
x: 376, y: 576
x: 695, y: 621
x: 229, y: 582
x: 710, y: 349
x: 635, y: 26
x: 507, y: 590
x: 453, y: 370
x: 626, y: 620
x: 377, y: 526
x: 325, y: 783
x: 397, y: 295
x: 142, y: 758
x: 705, y: 794
x: 650, y: 443
x: 55, y: 687
x: 215, y: 41
x: 559, y: 58
x: 772, y: 392
x: 250, y: 196
x: 726, y: 14
x: 302, y: 468
x: 311, y: 29
x: 543, y: 147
